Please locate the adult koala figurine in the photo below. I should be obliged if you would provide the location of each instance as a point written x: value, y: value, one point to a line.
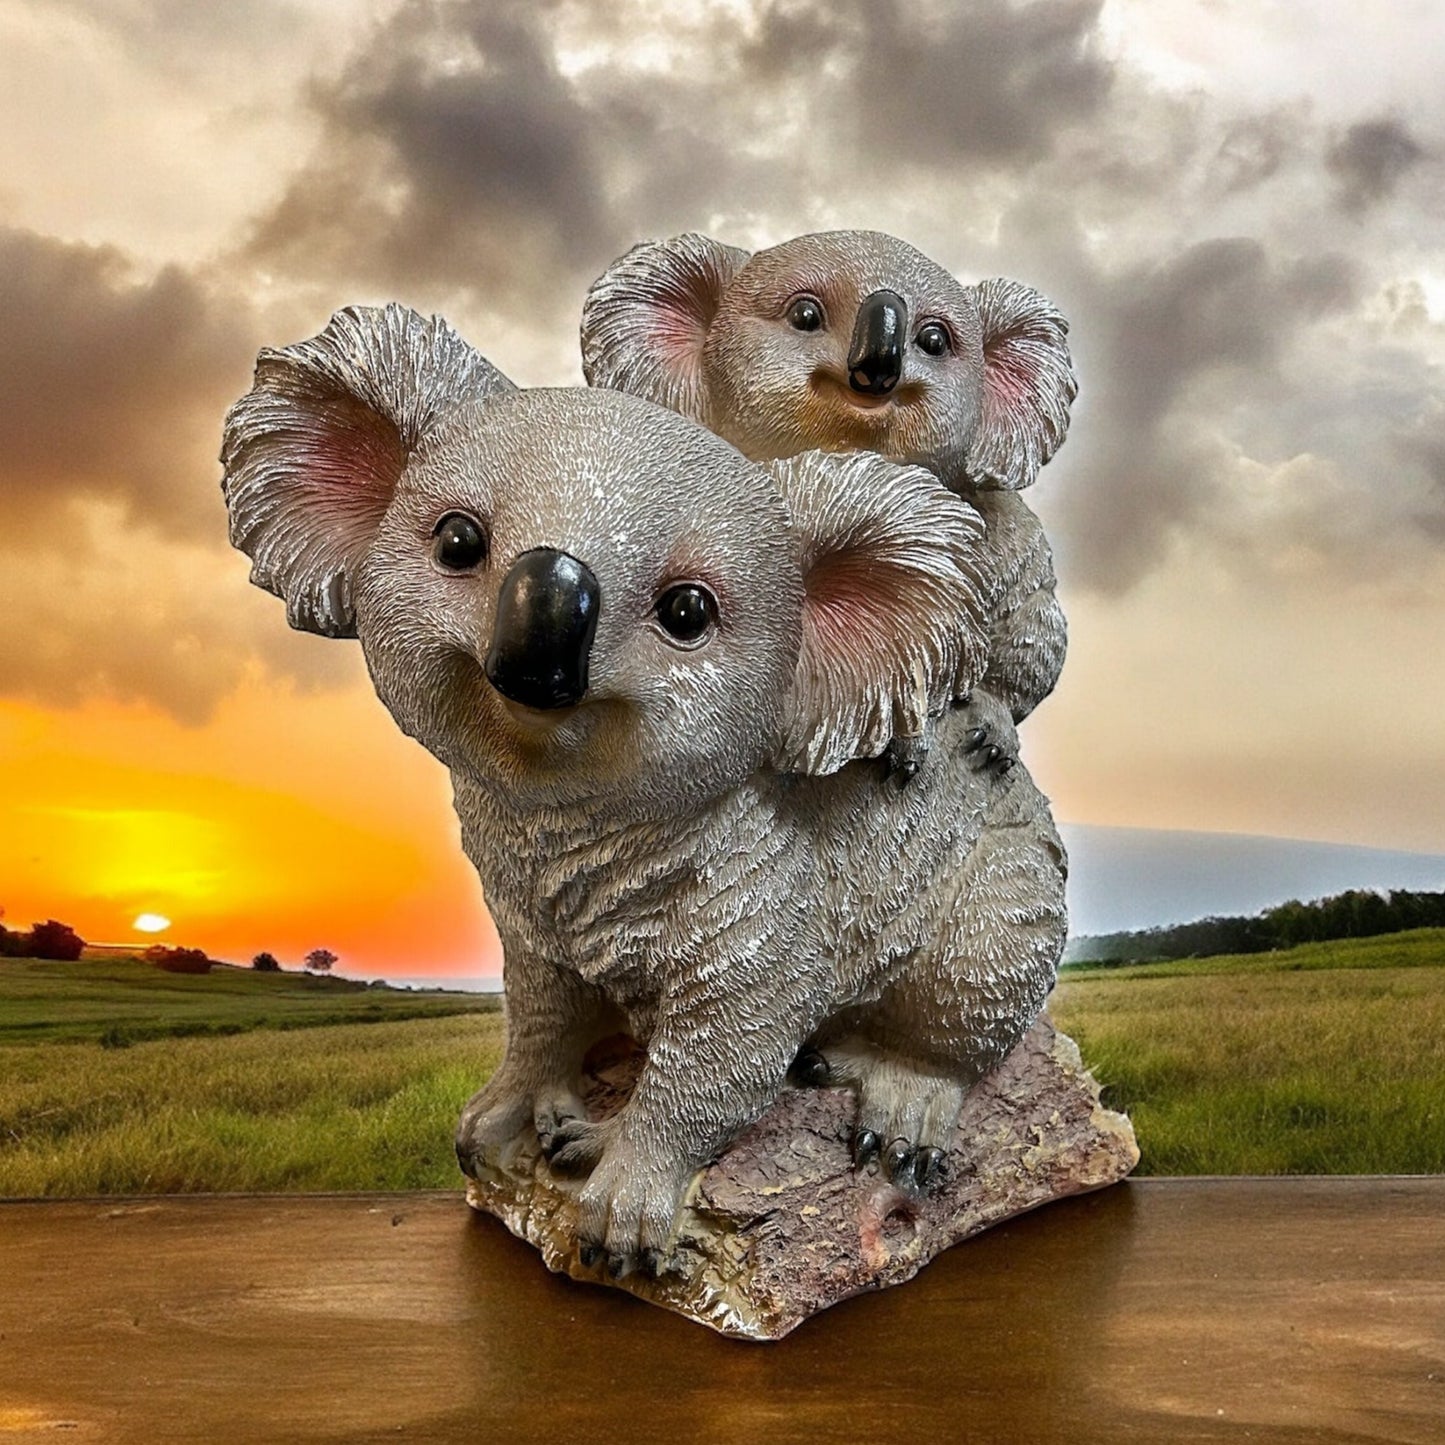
x: 853, y: 340
x: 647, y: 662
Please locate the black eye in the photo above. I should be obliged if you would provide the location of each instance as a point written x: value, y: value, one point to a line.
x: 687, y: 612
x: 460, y: 543
x: 805, y: 314
x: 932, y: 339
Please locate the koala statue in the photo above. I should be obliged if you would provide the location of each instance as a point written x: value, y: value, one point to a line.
x: 649, y: 663
x: 853, y: 340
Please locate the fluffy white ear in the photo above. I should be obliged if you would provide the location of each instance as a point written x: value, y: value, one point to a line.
x: 893, y: 619
x: 313, y: 452
x: 1028, y: 385
x: 646, y: 317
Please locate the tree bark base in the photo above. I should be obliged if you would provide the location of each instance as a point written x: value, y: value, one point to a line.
x: 781, y: 1226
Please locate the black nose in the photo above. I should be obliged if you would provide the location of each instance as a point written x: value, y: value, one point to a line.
x: 875, y: 361
x: 546, y: 620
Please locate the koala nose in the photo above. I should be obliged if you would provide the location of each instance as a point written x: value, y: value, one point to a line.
x: 875, y: 360
x: 546, y: 620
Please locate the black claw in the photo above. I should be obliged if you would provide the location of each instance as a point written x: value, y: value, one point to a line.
x: 810, y: 1069
x: 1004, y: 765
x: 927, y: 1166
x: 865, y: 1148
x: 906, y: 772
x: 974, y: 739
x: 619, y: 1266
x: 589, y: 1254
x: 963, y: 700
x: 899, y: 1160
x: 991, y: 755
x: 650, y: 1263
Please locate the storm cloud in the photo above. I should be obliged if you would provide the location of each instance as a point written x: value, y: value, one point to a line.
x: 1369, y: 161
x: 112, y: 384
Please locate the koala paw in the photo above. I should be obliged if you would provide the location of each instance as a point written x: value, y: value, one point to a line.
x: 810, y: 1069
x: 990, y: 741
x: 626, y: 1211
x: 502, y: 1121
x: 905, y: 1120
x: 906, y: 1116
x: 903, y: 758
x: 576, y: 1146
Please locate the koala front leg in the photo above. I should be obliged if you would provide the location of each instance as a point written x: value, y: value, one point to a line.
x: 714, y: 1064
x: 986, y: 732
x: 552, y: 1017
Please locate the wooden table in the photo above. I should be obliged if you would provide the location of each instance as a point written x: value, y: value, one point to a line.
x: 1277, y: 1310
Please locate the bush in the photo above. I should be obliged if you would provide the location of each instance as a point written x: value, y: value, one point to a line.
x: 320, y: 960
x: 265, y: 963
x: 178, y: 960
x: 54, y: 940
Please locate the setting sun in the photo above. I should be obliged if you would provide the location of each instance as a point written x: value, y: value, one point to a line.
x: 151, y: 923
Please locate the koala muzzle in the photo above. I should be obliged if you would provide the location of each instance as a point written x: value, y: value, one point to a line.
x: 875, y: 359
x: 546, y: 620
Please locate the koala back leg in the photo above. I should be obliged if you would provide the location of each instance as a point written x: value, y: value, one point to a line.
x: 954, y: 1007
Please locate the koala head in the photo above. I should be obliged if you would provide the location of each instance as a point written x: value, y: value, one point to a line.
x: 578, y: 597
x: 846, y: 340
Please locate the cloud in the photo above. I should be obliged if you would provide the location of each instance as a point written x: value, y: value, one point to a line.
x: 509, y: 151
x: 1181, y: 339
x: 112, y: 386
x: 1369, y: 160
x: 140, y: 618
x: 916, y: 85
x: 115, y: 574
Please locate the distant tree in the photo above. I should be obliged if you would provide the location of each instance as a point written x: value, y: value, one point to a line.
x: 54, y: 940
x: 319, y: 960
x: 265, y: 963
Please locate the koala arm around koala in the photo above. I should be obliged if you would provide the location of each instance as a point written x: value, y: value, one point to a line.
x: 894, y: 617
x: 1028, y: 633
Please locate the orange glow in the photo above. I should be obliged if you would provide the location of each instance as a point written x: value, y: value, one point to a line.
x: 286, y: 823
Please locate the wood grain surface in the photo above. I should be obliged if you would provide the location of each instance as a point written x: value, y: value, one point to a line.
x: 1278, y: 1310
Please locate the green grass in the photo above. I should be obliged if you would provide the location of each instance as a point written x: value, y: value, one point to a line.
x: 120, y: 1001
x: 1324, y: 1059
x: 347, y: 1107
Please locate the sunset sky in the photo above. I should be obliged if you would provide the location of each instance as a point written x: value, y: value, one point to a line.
x: 1239, y: 206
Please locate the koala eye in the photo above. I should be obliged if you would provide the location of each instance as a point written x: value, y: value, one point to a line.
x: 805, y: 314
x: 687, y: 613
x: 933, y: 339
x: 460, y: 542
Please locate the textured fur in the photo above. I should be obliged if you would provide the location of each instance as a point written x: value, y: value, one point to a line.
x: 702, y: 328
x: 650, y: 855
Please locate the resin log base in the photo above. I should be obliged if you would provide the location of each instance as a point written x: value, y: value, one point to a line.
x: 781, y: 1226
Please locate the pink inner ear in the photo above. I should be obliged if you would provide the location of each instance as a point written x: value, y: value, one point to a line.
x: 353, y: 457
x: 850, y: 604
x: 1010, y: 380
x: 678, y: 336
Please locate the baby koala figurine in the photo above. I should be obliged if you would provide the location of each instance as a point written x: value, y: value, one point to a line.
x: 647, y: 662
x: 853, y: 340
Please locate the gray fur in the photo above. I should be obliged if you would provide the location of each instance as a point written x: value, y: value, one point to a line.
x: 694, y: 325
x: 651, y: 857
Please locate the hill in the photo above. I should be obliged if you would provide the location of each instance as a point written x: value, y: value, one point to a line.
x: 122, y: 1001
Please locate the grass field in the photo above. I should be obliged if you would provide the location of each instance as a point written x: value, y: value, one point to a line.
x: 1324, y: 1059
x: 119, y: 1001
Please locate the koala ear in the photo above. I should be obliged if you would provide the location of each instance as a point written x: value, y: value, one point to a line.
x: 1028, y: 385
x: 893, y: 617
x: 313, y: 452
x: 646, y: 317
